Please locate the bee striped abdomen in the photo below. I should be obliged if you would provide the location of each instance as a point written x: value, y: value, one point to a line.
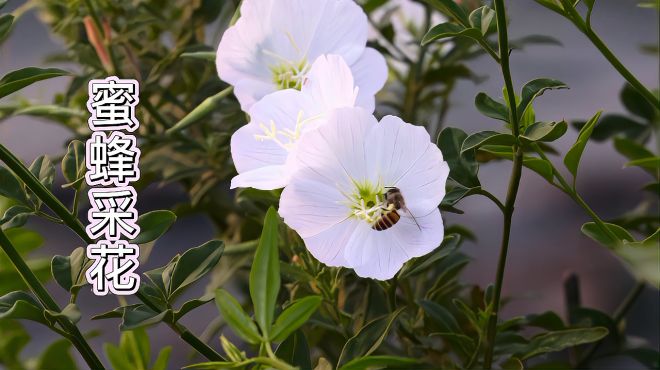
x: 386, y: 220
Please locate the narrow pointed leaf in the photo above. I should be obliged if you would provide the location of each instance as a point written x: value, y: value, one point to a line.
x: 21, y: 78
x: 534, y: 89
x: 294, y: 317
x: 236, y: 317
x: 572, y: 158
x: 265, y: 273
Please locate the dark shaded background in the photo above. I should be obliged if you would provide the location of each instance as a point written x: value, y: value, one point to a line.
x: 546, y: 241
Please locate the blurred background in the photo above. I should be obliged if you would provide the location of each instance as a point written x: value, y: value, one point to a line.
x: 546, y: 243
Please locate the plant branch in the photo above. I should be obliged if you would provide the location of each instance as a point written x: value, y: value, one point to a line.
x: 514, y: 182
x: 74, y: 223
x: 586, y: 29
x: 73, y: 334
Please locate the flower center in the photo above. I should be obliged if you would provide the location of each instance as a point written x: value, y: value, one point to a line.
x: 290, y: 75
x: 284, y: 137
x: 367, y: 202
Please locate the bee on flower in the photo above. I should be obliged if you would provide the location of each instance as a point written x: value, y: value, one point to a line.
x: 351, y: 175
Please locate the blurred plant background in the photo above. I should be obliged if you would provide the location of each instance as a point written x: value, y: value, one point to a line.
x: 169, y: 47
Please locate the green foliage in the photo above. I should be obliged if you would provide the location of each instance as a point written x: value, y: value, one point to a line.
x: 317, y: 316
x: 21, y: 78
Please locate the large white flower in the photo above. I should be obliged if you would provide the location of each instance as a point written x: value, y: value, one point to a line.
x: 343, y: 170
x: 273, y: 43
x: 262, y: 150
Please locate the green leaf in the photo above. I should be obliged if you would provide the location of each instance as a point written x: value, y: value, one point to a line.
x: 482, y: 138
x: 613, y: 125
x: 651, y: 163
x: 52, y: 112
x: 73, y: 165
x: 294, y: 317
x: 630, y: 149
x: 450, y: 7
x: 70, y: 312
x: 538, y: 165
x: 232, y: 352
x: 69, y: 271
x: 141, y: 316
x: 637, y: 104
x: 447, y: 30
x: 295, y: 350
x: 545, y: 131
x: 233, y: 313
x: 534, y: 89
x: 482, y: 18
x: 6, y: 21
x: 440, y: 316
x: 552, y: 5
x: 42, y: 168
x: 265, y: 273
x: 491, y: 108
x: 192, y: 304
x: 192, y: 265
x: 16, y: 216
x: 10, y: 187
x: 380, y: 362
x: 592, y: 230
x: 162, y: 359
x: 573, y: 156
x: 12, y: 341
x: 421, y: 264
x: 208, y: 56
x: 559, y: 340
x: 153, y: 225
x: 463, y: 167
x: 21, y: 78
x: 57, y: 356
x: 368, y: 339
x: 512, y: 363
x: 116, y: 357
x: 21, y: 305
x: 201, y: 111
x: 643, y: 258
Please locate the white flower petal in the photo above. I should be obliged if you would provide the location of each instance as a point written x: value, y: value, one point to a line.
x: 330, y: 83
x: 271, y: 34
x: 251, y: 151
x: 336, y: 151
x: 370, y: 74
x: 405, y: 157
x: 310, y: 206
x: 264, y: 178
x: 381, y: 254
x: 341, y: 30
x: 328, y: 246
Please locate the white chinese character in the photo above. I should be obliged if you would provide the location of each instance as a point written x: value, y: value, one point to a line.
x: 113, y: 268
x: 112, y: 104
x: 112, y: 161
x: 112, y: 214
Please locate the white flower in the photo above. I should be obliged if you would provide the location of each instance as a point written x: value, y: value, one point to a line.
x: 262, y: 149
x: 343, y: 170
x: 273, y: 43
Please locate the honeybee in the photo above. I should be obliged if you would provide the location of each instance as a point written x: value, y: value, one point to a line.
x: 393, y: 203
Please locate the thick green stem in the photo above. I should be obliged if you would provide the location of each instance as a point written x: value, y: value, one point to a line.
x: 586, y: 29
x: 49, y: 303
x: 514, y: 182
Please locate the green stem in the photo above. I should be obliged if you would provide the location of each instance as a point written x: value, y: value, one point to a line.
x: 586, y: 29
x: 184, y: 333
x: 570, y: 191
x: 619, y: 315
x: 74, y: 223
x: 514, y: 182
x: 49, y: 303
x: 43, y: 193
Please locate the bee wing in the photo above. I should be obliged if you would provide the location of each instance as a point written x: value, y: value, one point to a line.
x: 413, y: 217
